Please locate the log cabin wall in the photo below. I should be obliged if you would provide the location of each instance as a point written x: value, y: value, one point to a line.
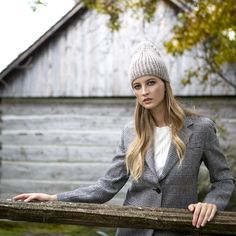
x: 54, y: 145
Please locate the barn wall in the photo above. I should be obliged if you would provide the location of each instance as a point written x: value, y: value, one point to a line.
x: 85, y: 59
x: 54, y: 145
x: 0, y: 145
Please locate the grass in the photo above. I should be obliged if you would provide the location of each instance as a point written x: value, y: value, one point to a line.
x: 10, y: 228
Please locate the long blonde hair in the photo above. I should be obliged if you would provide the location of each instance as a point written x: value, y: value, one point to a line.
x: 144, y: 127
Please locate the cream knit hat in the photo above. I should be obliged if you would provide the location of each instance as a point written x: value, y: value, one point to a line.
x: 147, y: 61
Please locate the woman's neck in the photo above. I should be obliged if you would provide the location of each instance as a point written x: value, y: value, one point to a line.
x: 160, y: 116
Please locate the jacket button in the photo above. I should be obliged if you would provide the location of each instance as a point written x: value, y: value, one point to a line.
x: 158, y: 190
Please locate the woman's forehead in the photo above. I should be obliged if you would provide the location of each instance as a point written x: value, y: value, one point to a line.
x: 145, y: 78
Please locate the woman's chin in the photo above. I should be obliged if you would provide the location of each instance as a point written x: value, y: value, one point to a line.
x: 148, y: 106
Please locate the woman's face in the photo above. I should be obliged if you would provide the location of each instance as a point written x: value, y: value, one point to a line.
x: 150, y: 92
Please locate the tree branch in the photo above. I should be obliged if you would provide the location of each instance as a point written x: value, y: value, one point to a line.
x: 214, y: 66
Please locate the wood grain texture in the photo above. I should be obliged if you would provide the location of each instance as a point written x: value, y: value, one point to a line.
x: 24, y: 137
x: 51, y: 145
x: 115, y: 216
x: 57, y: 153
x: 63, y: 122
x: 55, y: 171
x: 120, y: 107
x: 83, y: 58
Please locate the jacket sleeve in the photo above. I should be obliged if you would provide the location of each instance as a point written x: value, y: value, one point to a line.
x: 107, y: 186
x: 222, y: 181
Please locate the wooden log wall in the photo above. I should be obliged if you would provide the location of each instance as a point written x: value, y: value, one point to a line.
x: 57, y: 145
x: 54, y: 145
x: 115, y: 216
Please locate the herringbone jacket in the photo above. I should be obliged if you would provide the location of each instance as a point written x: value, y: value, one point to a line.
x: 177, y: 185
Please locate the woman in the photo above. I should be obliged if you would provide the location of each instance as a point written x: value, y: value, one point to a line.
x: 161, y: 151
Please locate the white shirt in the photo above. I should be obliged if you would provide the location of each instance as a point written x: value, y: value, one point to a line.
x: 162, y: 141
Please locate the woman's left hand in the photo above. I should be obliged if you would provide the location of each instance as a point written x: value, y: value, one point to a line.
x: 202, y: 213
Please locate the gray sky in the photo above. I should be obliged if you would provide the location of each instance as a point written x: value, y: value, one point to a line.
x: 20, y: 26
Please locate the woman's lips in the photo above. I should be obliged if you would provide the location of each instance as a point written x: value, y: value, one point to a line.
x: 147, y: 100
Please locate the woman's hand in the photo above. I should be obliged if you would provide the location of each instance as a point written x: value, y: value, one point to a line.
x: 27, y: 197
x: 202, y: 213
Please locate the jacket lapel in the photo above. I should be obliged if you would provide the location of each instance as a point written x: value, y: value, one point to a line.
x: 171, y: 161
x: 172, y: 158
x: 150, y: 160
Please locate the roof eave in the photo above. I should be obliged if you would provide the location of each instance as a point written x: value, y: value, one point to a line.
x: 77, y: 9
x: 181, y: 4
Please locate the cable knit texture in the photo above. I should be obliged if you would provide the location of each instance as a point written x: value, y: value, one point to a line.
x: 147, y: 60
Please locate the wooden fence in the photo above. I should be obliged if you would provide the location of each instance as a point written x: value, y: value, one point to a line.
x: 115, y: 216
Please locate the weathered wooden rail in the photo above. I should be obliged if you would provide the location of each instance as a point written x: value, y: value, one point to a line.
x: 115, y: 216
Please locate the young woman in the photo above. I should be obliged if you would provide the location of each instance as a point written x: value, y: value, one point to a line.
x: 161, y: 151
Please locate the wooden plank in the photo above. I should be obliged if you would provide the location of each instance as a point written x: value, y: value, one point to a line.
x: 222, y: 107
x: 76, y: 138
x: 85, y: 123
x: 12, y: 187
x: 116, y: 107
x: 116, y: 216
x: 17, y: 186
x: 58, y: 153
x: 53, y: 171
x: 63, y: 122
x: 80, y: 122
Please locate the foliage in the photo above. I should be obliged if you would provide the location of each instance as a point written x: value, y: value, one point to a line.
x: 35, y: 3
x: 220, y: 127
x: 208, y: 24
x: 211, y: 26
x: 11, y: 228
x: 114, y: 9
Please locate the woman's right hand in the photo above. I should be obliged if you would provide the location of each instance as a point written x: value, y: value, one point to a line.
x: 28, y: 197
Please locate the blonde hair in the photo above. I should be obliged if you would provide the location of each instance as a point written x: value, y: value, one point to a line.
x: 144, y: 127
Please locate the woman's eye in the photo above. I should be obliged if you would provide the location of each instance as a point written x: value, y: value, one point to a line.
x: 136, y: 87
x: 151, y: 82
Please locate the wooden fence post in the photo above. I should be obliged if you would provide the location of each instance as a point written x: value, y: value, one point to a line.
x: 115, y: 216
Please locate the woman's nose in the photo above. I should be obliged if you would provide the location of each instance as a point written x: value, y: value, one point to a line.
x: 144, y: 90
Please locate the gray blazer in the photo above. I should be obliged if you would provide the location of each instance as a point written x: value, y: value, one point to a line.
x: 177, y: 185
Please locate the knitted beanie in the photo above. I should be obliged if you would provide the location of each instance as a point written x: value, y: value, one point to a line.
x: 147, y: 61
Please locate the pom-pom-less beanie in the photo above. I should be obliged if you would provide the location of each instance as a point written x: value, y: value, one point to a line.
x: 147, y: 61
